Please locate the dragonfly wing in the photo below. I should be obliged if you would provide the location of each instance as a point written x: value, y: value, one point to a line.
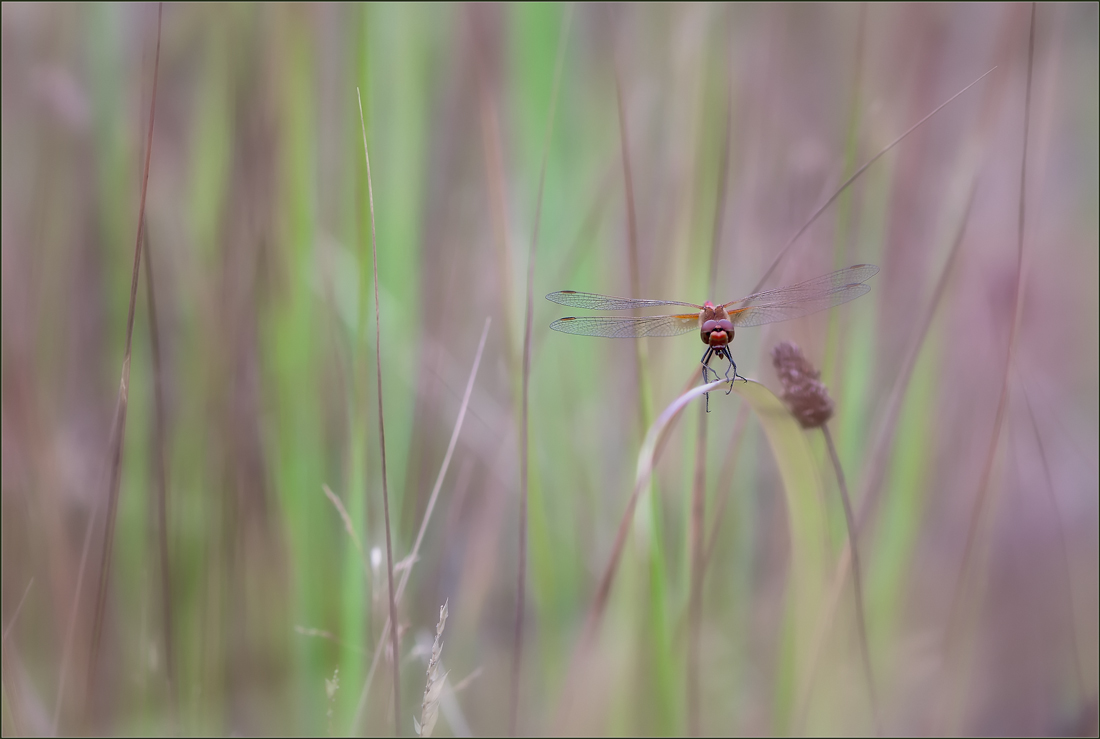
x: 810, y: 290
x: 592, y: 301
x: 627, y: 327
x: 757, y: 315
x: 802, y: 299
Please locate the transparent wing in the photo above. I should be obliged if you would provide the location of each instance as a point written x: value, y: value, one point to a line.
x: 628, y: 327
x: 592, y: 301
x: 794, y: 301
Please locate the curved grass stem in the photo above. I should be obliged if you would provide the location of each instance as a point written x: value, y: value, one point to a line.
x: 857, y: 578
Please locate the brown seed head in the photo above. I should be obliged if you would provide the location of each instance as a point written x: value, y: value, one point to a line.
x: 803, y: 392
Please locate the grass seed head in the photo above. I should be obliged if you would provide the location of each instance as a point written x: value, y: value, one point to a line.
x: 433, y: 688
x: 803, y: 392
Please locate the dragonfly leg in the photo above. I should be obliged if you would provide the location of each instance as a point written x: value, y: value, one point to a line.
x: 729, y: 358
x: 705, y: 362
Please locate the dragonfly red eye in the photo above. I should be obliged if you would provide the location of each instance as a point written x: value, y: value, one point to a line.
x: 709, y: 326
x: 726, y: 326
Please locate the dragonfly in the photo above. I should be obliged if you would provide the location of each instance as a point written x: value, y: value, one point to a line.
x: 715, y: 323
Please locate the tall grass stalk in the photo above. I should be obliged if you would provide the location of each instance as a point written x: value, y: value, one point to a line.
x: 493, y: 151
x: 695, y: 597
x: 521, y: 575
x: 855, y: 176
x: 654, y: 635
x: 349, y: 527
x: 880, y: 452
x: 74, y: 614
x: 17, y: 611
x: 382, y: 438
x: 980, y: 500
x: 9, y: 691
x: 883, y: 442
x: 119, y: 436
x: 648, y: 456
x: 160, y: 473
x: 1063, y: 546
x: 697, y: 536
x: 406, y: 570
x: 729, y: 462
x: 811, y: 405
x: 857, y: 579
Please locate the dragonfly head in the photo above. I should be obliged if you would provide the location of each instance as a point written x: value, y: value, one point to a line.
x: 715, y: 327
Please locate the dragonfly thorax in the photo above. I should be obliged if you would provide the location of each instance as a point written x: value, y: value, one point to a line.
x: 715, y: 327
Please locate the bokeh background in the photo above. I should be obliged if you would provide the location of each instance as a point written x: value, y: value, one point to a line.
x: 740, y: 121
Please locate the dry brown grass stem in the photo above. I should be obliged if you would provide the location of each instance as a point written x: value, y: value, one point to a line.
x: 493, y: 150
x: 466, y: 681
x: 521, y: 575
x: 411, y: 559
x: 855, y: 175
x: 976, y: 514
x: 348, y: 526
x: 1063, y: 544
x: 628, y: 188
x: 12, y: 678
x: 70, y: 631
x: 119, y: 425
x: 723, y: 179
x: 18, y: 608
x: 640, y: 355
x: 446, y: 458
x: 1031, y: 382
x: 160, y: 472
x: 871, y: 488
x: 382, y: 435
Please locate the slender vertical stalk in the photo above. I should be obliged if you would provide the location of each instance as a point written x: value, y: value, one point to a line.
x: 382, y: 440
x: 15, y: 613
x: 119, y: 436
x: 411, y: 559
x: 883, y: 441
x: 857, y: 579
x: 725, y: 474
x: 1063, y: 545
x: 976, y: 514
x: 654, y: 673
x: 9, y: 681
x: 521, y: 575
x: 632, y: 248
x: 161, y: 473
x: 699, y: 490
x: 695, y: 601
x: 855, y: 175
x: 70, y: 631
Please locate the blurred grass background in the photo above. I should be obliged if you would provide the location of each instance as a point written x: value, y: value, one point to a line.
x: 259, y: 238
